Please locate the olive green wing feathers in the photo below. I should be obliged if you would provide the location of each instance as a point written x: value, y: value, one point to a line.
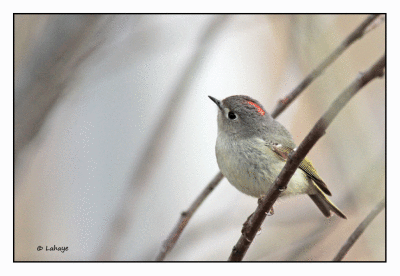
x: 306, y: 165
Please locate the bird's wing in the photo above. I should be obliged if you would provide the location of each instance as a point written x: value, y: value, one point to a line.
x: 305, y: 165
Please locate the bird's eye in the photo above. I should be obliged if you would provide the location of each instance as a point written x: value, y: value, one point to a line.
x: 231, y: 115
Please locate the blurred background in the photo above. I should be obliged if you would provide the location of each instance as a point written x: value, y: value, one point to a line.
x: 114, y: 134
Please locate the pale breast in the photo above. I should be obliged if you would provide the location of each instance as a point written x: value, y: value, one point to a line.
x: 252, y: 167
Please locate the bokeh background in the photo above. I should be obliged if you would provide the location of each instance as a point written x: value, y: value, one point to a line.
x: 114, y: 134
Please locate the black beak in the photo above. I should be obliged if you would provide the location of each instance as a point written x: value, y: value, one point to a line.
x: 217, y: 102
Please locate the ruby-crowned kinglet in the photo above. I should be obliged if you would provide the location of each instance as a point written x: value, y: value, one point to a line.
x: 252, y: 149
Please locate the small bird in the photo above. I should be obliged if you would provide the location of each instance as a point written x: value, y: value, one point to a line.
x: 252, y: 149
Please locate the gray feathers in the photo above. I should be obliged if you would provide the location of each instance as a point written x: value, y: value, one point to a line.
x: 252, y: 148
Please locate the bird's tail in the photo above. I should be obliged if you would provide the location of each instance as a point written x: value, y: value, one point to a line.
x: 324, y: 204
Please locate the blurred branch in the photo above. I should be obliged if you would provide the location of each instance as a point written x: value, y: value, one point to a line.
x: 355, y: 35
x: 155, y: 146
x: 52, y: 70
x: 185, y: 217
x: 359, y: 230
x: 281, y: 106
x: 379, y: 20
x: 253, y: 223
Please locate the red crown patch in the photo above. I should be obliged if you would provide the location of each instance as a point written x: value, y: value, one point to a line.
x: 259, y: 109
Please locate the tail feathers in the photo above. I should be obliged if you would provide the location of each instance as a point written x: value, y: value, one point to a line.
x: 325, y: 205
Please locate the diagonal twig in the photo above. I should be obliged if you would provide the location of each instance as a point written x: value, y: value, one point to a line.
x: 185, y: 217
x: 359, y: 230
x: 254, y: 222
x: 354, y: 36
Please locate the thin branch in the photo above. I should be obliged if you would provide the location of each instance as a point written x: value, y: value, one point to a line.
x: 253, y: 224
x: 359, y: 230
x: 185, y: 217
x: 355, y: 35
x: 378, y: 21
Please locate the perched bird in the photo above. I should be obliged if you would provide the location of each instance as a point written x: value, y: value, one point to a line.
x: 252, y: 149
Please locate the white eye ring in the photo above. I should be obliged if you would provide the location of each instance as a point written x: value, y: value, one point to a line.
x: 230, y: 114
